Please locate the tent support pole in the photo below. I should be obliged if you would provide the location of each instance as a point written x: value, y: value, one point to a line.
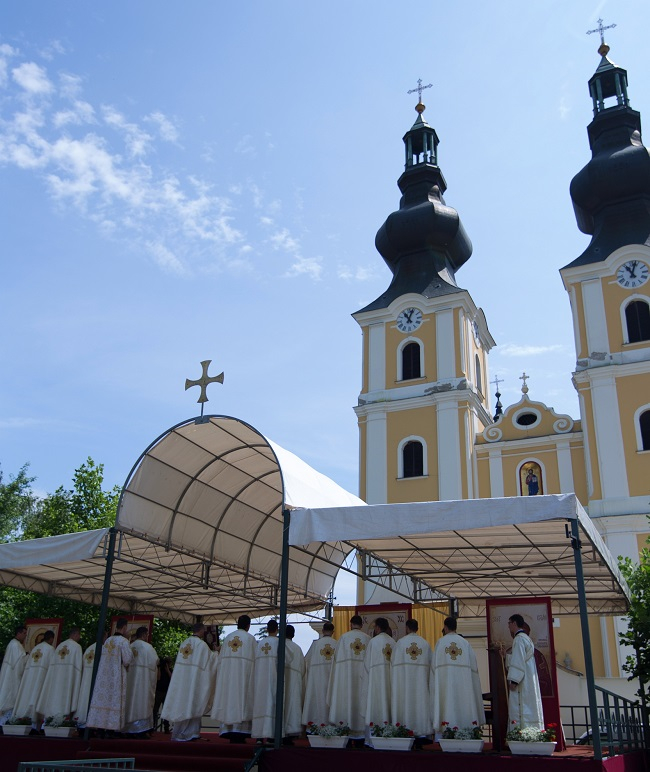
x: 284, y: 589
x: 99, y: 641
x: 586, y: 641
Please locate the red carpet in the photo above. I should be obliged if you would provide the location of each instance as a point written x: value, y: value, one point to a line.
x: 216, y: 755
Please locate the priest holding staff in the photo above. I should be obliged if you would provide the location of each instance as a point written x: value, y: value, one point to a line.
x: 455, y: 684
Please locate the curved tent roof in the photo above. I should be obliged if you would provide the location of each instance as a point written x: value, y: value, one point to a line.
x: 199, y: 531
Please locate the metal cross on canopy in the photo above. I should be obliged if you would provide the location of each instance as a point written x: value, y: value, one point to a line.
x: 419, y: 89
x: 204, y: 381
x: 524, y: 378
x: 601, y: 29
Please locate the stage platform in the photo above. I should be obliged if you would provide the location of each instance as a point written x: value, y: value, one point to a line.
x: 213, y: 754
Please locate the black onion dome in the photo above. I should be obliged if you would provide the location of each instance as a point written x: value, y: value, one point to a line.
x: 611, y: 194
x: 423, y: 242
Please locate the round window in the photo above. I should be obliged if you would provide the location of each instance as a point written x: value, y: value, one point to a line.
x: 526, y: 419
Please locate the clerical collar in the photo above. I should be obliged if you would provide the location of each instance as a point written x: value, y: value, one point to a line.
x: 519, y: 631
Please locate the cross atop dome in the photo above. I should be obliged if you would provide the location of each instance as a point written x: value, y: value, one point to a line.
x: 420, y: 107
x: 603, y: 49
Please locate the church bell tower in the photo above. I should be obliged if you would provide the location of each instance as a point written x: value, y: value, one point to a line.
x: 425, y: 345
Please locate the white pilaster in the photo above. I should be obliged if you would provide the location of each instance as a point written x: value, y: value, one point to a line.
x: 565, y: 467
x: 445, y: 345
x: 496, y: 473
x: 449, y: 475
x: 596, y: 323
x: 376, y: 469
x: 609, y: 439
x: 376, y: 357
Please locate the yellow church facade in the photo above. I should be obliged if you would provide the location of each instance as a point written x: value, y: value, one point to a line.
x: 426, y: 429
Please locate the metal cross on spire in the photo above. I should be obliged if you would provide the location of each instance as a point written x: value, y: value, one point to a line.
x: 524, y: 378
x: 496, y: 381
x: 419, y: 89
x: 204, y: 381
x: 601, y: 29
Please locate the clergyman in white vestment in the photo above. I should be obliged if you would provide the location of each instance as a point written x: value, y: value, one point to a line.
x: 141, y: 685
x: 455, y: 683
x: 294, y: 686
x: 524, y: 698
x: 191, y: 688
x: 410, y: 699
x: 60, y: 693
x: 318, y: 666
x: 40, y: 658
x: 108, y: 702
x: 86, y: 680
x: 375, y: 687
x: 13, y: 666
x: 265, y: 680
x: 344, y: 692
x: 233, y: 698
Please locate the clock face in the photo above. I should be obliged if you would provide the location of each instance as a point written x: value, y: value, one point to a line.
x: 632, y: 274
x: 409, y: 319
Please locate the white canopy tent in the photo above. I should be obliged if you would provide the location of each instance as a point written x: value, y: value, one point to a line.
x: 198, y: 532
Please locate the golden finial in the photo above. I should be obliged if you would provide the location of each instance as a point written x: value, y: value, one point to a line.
x: 419, y: 107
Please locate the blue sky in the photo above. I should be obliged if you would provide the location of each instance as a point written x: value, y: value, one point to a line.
x: 204, y: 180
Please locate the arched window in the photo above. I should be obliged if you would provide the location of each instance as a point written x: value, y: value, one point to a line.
x: 644, y: 425
x: 477, y: 368
x: 637, y: 320
x: 413, y: 459
x: 411, y: 362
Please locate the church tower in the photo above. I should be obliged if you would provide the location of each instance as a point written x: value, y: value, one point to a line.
x: 425, y: 346
x: 609, y: 290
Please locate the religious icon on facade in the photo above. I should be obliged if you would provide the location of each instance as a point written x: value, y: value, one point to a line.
x: 530, y: 479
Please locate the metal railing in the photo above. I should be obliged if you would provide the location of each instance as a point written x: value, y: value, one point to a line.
x: 76, y: 765
x: 620, y: 724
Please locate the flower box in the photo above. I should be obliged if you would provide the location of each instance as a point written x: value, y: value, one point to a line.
x: 337, y: 741
x: 17, y: 730
x: 392, y: 743
x: 60, y: 731
x: 531, y: 749
x: 461, y: 746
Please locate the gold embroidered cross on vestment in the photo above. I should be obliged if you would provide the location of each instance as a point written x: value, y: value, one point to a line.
x: 36, y: 655
x: 387, y: 651
x: 357, y: 646
x: 63, y: 653
x: 187, y: 650
x: 327, y: 651
x: 235, y: 644
x: 414, y: 651
x: 453, y: 651
x: 266, y: 648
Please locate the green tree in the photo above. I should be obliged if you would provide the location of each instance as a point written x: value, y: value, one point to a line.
x: 637, y: 576
x: 17, y: 503
x: 85, y: 507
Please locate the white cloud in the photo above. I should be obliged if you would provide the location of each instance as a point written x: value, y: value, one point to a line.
x: 53, y: 49
x: 80, y: 113
x: 358, y: 273
x: 165, y: 258
x: 525, y: 350
x: 32, y: 78
x: 137, y: 140
x: 166, y: 128
x: 6, y: 52
x: 306, y: 266
x: 283, y: 240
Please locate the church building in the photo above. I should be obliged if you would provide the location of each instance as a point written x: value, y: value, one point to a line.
x: 426, y: 429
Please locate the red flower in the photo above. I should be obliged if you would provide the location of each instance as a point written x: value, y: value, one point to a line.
x: 371, y: 724
x: 455, y: 728
x: 474, y: 723
x: 445, y: 723
x: 410, y: 733
x: 397, y: 723
x: 322, y: 724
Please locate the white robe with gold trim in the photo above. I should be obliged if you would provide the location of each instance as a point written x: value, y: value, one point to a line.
x: 13, y: 666
x: 191, y: 688
x: 318, y: 665
x: 40, y: 658
x: 266, y: 679
x: 86, y: 680
x: 108, y: 704
x: 60, y: 693
x: 294, y: 689
x: 344, y: 692
x: 410, y: 699
x: 455, y: 684
x: 141, y: 688
x: 525, y: 702
x: 375, y: 687
x: 233, y: 698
